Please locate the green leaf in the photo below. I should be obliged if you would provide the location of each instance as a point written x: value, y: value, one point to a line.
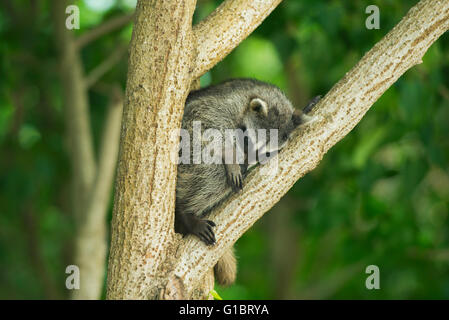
x: 28, y: 136
x: 215, y: 295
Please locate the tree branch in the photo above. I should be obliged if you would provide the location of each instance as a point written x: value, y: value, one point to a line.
x: 104, y: 28
x: 222, y: 31
x: 76, y: 111
x: 91, y: 245
x: 35, y: 253
x: 333, y: 118
x: 105, y: 66
x: 91, y: 184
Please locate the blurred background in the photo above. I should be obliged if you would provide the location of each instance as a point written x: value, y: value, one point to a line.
x: 379, y: 197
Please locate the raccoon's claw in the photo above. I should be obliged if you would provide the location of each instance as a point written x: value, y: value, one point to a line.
x: 203, y: 230
x: 311, y: 104
x: 237, y: 182
x: 235, y: 177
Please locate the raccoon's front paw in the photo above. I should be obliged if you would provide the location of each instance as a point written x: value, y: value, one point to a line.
x: 203, y: 230
x: 235, y: 177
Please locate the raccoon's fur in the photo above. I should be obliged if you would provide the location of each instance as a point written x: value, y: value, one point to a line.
x: 235, y: 104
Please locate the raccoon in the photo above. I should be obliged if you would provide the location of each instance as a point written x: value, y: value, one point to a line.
x: 238, y: 104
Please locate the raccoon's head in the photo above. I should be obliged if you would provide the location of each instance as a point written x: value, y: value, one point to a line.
x: 268, y: 108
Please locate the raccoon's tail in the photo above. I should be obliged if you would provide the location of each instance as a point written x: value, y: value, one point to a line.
x: 226, y: 268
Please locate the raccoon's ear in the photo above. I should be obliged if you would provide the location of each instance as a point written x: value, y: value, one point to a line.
x: 258, y: 105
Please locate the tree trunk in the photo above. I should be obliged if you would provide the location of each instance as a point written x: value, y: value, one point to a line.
x: 157, y: 86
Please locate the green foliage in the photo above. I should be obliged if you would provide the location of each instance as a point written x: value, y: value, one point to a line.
x: 215, y: 295
x: 380, y: 196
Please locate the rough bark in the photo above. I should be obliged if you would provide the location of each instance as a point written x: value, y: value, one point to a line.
x: 143, y: 244
x: 334, y: 117
x: 225, y: 28
x: 158, y: 82
x: 147, y: 260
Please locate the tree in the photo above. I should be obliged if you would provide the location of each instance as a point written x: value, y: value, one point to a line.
x: 147, y: 259
x: 92, y: 178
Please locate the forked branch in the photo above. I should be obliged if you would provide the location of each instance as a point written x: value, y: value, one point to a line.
x: 333, y: 118
x: 225, y: 28
x: 104, y: 28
